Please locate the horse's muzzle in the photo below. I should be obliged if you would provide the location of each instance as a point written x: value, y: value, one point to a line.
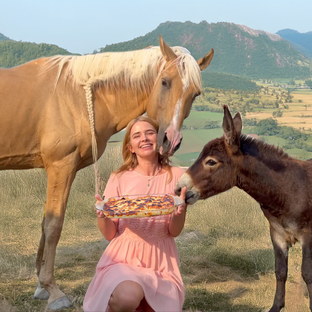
x: 168, y: 147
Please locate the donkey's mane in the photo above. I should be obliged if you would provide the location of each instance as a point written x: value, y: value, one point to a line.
x: 260, y: 149
x: 135, y: 70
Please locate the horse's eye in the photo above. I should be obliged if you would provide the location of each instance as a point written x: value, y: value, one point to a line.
x: 165, y: 83
x: 211, y: 162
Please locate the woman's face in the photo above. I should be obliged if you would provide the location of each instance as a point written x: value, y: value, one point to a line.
x: 143, y: 137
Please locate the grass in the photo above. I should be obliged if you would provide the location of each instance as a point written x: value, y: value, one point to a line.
x: 226, y: 257
x: 298, y: 115
x: 196, y: 139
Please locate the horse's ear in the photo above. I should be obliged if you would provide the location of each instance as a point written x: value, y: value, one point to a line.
x: 204, y: 62
x: 232, y: 128
x: 166, y: 51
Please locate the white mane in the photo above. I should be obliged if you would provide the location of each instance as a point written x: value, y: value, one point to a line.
x: 134, y: 70
x: 137, y: 70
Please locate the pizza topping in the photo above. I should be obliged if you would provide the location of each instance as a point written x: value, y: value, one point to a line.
x: 143, y: 206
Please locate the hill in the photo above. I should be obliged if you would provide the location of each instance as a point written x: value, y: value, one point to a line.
x: 301, y: 41
x: 13, y: 53
x: 239, y: 50
x: 3, y: 38
x: 227, y: 82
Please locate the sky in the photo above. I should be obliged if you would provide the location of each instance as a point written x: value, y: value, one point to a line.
x: 84, y: 26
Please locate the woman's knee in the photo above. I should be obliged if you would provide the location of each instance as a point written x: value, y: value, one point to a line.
x: 126, y: 297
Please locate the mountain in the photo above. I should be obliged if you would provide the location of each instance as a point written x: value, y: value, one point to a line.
x: 301, y: 41
x: 13, y: 53
x: 239, y: 50
x: 3, y: 38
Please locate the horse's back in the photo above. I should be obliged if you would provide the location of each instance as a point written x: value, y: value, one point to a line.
x: 29, y: 113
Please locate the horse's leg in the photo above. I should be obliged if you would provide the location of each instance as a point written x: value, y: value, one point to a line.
x: 307, y: 264
x: 40, y: 292
x: 281, y: 267
x: 60, y: 177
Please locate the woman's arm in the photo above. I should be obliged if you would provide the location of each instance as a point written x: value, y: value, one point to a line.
x: 108, y: 227
x: 178, y: 217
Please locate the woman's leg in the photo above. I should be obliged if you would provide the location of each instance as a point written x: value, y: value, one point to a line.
x: 126, y: 297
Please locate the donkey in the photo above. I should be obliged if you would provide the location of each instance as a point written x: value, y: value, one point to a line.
x: 278, y: 182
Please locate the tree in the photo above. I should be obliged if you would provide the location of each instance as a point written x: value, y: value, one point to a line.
x: 267, y: 126
x: 292, y: 82
x: 308, y: 83
x: 277, y: 113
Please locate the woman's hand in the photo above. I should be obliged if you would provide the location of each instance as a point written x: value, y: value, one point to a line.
x: 107, y: 226
x: 99, y: 213
x: 181, y: 208
x: 178, y: 218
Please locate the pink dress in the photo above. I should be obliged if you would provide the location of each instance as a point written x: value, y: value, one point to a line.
x: 142, y: 251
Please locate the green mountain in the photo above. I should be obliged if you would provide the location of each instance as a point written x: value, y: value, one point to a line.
x: 227, y: 82
x: 300, y: 41
x: 3, y: 38
x: 239, y: 50
x: 13, y: 53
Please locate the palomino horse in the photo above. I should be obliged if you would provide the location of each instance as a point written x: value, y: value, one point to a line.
x: 280, y: 184
x: 58, y: 113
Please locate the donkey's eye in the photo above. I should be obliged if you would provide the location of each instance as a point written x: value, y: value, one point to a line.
x: 211, y: 162
x: 165, y: 83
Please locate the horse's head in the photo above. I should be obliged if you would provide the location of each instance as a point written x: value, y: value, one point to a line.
x: 215, y: 170
x: 176, y: 87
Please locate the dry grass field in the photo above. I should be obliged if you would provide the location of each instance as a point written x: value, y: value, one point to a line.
x: 226, y: 256
x: 298, y: 115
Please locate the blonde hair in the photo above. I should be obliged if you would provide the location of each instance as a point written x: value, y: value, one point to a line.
x: 130, y: 160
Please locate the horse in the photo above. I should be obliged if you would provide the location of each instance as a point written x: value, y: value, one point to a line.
x: 59, y: 112
x: 282, y: 186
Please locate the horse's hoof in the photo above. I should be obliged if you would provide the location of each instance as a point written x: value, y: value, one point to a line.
x: 61, y: 303
x: 41, y: 293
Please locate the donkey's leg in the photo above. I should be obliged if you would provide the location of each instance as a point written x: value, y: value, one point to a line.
x: 307, y: 264
x: 281, y: 267
x: 60, y: 177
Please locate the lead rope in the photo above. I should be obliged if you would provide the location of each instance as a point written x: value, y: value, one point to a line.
x: 88, y: 91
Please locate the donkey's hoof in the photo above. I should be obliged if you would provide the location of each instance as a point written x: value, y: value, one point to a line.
x: 59, y: 304
x: 41, y: 294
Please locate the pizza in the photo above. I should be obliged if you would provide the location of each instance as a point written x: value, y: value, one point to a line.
x: 141, y: 206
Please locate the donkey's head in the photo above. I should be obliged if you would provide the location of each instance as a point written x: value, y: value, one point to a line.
x: 177, y: 85
x: 215, y: 170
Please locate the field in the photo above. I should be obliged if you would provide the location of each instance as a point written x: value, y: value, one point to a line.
x: 296, y: 109
x: 226, y: 255
x: 299, y: 113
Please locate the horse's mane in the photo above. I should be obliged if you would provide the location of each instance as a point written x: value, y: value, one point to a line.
x: 261, y: 150
x: 135, y: 70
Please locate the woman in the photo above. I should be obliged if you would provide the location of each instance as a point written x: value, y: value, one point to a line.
x: 139, y: 269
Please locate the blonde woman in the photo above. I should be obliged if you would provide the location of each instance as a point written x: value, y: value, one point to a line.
x: 139, y: 269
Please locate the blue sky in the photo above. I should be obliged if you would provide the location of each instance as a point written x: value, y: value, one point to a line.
x: 84, y: 26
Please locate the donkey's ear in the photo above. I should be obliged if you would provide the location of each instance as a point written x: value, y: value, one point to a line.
x: 231, y: 129
x: 166, y: 51
x: 238, y: 124
x: 204, y: 62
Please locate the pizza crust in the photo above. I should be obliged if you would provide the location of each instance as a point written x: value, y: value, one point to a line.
x: 138, y: 206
